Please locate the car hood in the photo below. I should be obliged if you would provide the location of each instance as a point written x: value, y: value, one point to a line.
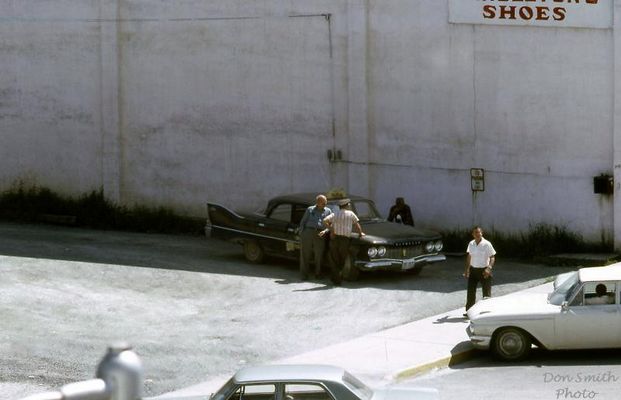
x: 515, y: 306
x: 405, y: 393
x: 384, y: 232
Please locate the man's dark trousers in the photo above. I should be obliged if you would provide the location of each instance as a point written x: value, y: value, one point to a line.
x: 476, y: 276
x: 339, y: 250
x: 312, y: 246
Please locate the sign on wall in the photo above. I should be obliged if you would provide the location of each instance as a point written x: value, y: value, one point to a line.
x: 477, y: 179
x: 552, y: 13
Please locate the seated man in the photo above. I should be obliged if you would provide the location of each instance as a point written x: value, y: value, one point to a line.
x: 601, y: 297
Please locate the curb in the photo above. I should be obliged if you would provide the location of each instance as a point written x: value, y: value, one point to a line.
x: 444, y: 362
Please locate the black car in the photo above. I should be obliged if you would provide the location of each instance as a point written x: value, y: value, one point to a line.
x: 386, y: 245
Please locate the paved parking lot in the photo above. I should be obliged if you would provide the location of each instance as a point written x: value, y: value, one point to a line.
x: 191, y: 307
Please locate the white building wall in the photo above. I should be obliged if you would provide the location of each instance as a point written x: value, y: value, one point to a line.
x: 532, y: 106
x: 50, y: 73
x: 176, y: 103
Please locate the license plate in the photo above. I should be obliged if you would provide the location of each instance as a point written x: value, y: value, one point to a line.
x: 407, y: 264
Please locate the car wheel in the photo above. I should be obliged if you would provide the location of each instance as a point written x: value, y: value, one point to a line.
x: 253, y: 251
x: 511, y: 344
x: 350, y: 271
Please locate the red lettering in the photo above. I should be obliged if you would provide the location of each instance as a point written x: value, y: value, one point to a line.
x: 542, y: 14
x: 558, y: 13
x: 526, y: 13
x: 507, y: 12
x: 489, y: 12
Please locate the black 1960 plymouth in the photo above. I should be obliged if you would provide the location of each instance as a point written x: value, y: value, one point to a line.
x: 386, y: 246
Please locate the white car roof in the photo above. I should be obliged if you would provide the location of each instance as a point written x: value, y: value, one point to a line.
x: 610, y: 272
x: 282, y: 373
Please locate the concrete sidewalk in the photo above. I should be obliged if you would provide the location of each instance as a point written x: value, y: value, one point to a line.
x: 387, y: 356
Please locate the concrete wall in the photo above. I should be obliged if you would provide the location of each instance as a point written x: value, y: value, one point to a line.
x: 175, y: 103
x: 532, y: 106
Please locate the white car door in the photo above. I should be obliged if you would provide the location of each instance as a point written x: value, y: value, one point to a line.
x: 586, y: 325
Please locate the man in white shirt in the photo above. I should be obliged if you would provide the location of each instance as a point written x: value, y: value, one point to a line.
x: 480, y: 260
x: 340, y: 224
x: 601, y: 297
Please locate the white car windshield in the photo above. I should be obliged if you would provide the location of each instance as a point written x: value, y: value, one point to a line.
x: 360, y: 389
x: 564, y: 290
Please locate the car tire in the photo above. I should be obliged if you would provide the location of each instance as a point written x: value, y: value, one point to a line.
x: 511, y: 344
x: 253, y: 251
x: 350, y: 271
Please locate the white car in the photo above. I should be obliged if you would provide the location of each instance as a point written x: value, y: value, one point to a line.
x: 309, y: 382
x: 582, y: 312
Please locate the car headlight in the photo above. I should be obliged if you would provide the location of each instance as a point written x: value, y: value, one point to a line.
x: 438, y: 246
x: 381, y: 251
x: 429, y: 247
x: 372, y: 252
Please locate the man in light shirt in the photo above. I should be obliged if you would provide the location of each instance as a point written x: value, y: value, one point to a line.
x: 480, y: 260
x: 341, y: 223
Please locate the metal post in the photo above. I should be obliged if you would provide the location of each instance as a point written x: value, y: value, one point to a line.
x: 121, y: 369
x: 119, y: 378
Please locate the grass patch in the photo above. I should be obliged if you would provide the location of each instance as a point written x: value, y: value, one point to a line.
x: 540, y: 240
x: 91, y: 210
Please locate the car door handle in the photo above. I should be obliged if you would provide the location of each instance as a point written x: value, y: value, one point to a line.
x: 262, y: 225
x: 290, y: 230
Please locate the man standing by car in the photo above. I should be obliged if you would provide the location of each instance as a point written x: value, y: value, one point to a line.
x: 340, y: 224
x: 480, y: 260
x: 312, y: 236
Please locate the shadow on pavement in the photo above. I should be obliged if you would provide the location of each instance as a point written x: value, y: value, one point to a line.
x: 199, y: 254
x: 542, y: 357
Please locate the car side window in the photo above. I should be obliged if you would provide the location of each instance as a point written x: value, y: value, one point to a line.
x: 298, y: 213
x: 254, y: 392
x: 597, y: 293
x: 306, y: 391
x: 281, y: 212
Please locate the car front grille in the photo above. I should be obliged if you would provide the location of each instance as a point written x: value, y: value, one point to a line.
x: 401, y: 253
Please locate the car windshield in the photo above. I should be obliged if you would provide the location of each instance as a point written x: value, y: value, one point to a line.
x: 364, y: 209
x: 564, y: 290
x: 361, y: 390
x: 224, y: 391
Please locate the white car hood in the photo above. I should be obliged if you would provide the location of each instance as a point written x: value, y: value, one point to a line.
x: 528, y: 305
x: 405, y: 393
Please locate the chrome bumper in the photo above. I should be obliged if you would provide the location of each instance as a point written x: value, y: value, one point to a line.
x: 399, y: 265
x: 479, y: 342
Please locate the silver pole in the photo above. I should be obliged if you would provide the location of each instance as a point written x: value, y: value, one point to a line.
x: 119, y: 378
x: 121, y: 369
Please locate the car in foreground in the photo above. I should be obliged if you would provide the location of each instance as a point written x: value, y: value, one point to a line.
x: 309, y: 382
x: 386, y: 246
x: 581, y: 312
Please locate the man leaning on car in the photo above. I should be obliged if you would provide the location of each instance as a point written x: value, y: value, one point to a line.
x: 340, y: 224
x: 312, y: 232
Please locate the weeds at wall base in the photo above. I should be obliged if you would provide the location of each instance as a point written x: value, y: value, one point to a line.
x: 92, y: 210
x: 540, y: 241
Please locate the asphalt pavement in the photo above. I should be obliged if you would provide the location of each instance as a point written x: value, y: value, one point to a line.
x: 194, y: 309
x: 389, y: 356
